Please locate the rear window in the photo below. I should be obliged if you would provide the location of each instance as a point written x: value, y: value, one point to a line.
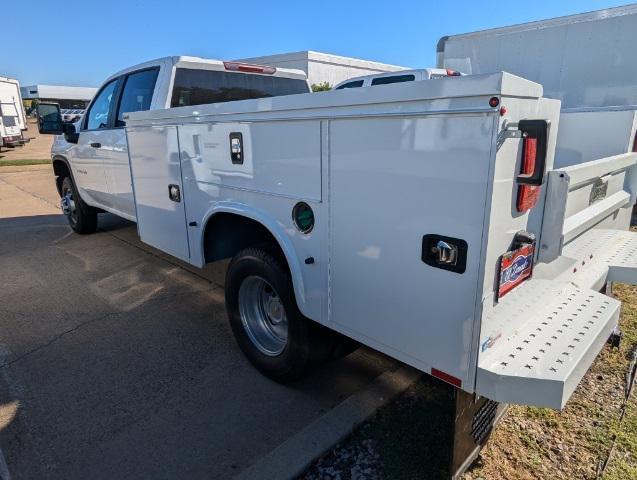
x: 394, y: 79
x: 354, y: 84
x: 199, y: 87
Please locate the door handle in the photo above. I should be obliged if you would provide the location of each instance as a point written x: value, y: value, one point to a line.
x: 96, y: 145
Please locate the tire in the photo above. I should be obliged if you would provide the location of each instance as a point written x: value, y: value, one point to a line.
x: 288, y: 345
x: 81, y: 217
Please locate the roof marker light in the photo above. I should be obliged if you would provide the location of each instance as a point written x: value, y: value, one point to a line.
x: 248, y: 68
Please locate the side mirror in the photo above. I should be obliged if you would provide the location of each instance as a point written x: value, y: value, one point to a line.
x: 70, y: 135
x: 49, y: 118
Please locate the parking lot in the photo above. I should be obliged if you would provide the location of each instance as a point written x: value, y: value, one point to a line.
x: 116, y: 362
x: 39, y: 146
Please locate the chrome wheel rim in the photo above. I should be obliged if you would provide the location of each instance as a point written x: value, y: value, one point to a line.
x: 263, y: 316
x: 68, y: 205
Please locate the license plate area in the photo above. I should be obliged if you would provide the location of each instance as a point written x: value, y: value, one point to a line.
x: 515, y: 267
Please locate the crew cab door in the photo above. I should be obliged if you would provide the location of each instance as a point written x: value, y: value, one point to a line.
x: 135, y: 94
x: 96, y: 139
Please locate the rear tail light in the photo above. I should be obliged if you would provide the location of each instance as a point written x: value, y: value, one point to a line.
x: 528, y: 194
x: 635, y: 143
x: 248, y: 68
x: 534, y: 149
x: 452, y: 73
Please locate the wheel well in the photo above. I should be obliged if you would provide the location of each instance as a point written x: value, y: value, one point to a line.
x: 61, y: 170
x: 227, y: 234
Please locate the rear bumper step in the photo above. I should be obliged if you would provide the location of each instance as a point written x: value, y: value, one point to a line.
x: 600, y: 256
x: 561, y: 329
x: 552, y: 329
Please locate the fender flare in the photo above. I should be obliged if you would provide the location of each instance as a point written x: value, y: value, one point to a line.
x: 64, y: 160
x: 275, y: 229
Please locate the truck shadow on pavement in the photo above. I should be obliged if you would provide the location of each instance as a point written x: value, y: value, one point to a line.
x: 116, y: 363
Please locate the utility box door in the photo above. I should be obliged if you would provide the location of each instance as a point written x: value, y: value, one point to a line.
x: 158, y: 189
x: 392, y: 182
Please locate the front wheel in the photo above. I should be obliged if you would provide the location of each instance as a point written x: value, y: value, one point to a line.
x: 81, y: 217
x: 267, y: 324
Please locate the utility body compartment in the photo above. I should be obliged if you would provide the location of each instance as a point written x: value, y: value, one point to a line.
x: 418, y: 190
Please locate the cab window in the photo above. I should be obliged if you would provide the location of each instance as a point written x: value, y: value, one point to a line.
x: 393, y: 79
x: 137, y: 93
x: 353, y: 84
x: 97, y: 117
x: 198, y: 87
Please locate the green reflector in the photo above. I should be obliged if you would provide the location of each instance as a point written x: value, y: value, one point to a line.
x: 303, y: 217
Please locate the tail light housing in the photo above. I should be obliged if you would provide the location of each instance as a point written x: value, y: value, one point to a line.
x: 533, y: 165
x: 249, y: 68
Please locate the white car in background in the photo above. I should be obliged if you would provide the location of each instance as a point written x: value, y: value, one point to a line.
x: 71, y: 115
x: 398, y: 77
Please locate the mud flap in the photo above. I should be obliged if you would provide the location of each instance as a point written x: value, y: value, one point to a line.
x: 473, y: 421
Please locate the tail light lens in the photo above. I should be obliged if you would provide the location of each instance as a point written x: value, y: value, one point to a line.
x: 452, y: 73
x: 534, y: 150
x: 528, y: 194
x: 248, y: 68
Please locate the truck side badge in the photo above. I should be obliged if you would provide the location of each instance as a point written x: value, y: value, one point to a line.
x: 236, y: 148
x: 445, y: 252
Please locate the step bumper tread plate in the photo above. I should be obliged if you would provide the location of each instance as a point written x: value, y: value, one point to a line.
x: 560, y: 329
x: 602, y: 255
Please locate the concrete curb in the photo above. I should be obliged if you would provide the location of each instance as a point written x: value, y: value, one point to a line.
x: 294, y: 456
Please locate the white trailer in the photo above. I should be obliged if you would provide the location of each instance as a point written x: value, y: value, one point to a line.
x: 10, y: 95
x: 587, y: 61
x: 12, y: 116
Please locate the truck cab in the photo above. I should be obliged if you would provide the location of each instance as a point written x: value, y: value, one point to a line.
x: 94, y: 151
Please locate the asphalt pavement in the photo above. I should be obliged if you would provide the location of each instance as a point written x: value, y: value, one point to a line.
x: 118, y: 362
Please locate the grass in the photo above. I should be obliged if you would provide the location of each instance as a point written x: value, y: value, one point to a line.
x: 19, y: 163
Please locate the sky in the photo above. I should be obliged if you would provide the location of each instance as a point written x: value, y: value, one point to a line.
x: 80, y: 43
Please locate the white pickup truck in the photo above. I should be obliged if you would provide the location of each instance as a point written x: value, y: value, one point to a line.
x: 423, y: 219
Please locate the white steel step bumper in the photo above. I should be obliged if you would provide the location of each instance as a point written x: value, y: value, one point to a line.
x: 560, y: 329
x: 600, y: 256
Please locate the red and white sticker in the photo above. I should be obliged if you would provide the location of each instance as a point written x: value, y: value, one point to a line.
x: 515, y: 267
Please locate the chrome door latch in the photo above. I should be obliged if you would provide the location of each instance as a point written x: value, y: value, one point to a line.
x: 444, y: 252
